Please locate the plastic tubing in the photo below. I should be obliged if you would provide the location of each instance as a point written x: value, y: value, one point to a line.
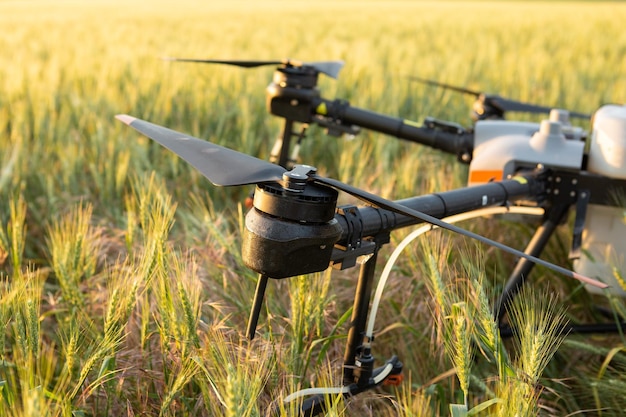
x: 369, y: 332
x: 385, y: 276
x: 337, y: 390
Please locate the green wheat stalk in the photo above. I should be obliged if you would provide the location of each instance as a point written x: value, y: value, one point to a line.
x: 235, y: 388
x: 73, y: 245
x: 13, y: 240
x: 538, y: 325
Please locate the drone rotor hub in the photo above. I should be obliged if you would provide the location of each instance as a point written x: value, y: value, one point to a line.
x: 296, y: 76
x: 298, y: 201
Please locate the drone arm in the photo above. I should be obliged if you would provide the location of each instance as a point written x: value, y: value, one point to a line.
x: 374, y: 220
x: 446, y: 137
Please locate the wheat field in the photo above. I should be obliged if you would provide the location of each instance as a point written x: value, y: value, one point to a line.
x: 123, y: 290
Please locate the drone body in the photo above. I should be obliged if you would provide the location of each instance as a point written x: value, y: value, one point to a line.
x: 503, y: 155
x: 295, y: 227
x: 495, y: 149
x: 502, y: 148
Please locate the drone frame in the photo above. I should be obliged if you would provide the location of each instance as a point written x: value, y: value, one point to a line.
x: 293, y: 95
x: 359, y: 230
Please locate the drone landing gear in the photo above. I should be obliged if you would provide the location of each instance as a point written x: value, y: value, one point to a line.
x: 523, y: 267
x: 359, y: 374
x: 517, y: 279
x: 281, y: 153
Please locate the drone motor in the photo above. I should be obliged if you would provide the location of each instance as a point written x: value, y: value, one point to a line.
x: 291, y: 230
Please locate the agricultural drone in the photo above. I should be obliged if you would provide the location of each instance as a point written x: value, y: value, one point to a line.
x: 296, y: 228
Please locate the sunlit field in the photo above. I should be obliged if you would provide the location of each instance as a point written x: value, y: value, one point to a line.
x: 123, y: 290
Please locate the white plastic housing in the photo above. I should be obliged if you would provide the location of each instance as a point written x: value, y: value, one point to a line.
x: 570, y: 132
x: 499, y: 153
x: 486, y: 130
x: 607, y: 151
x: 604, y: 236
x: 603, y: 247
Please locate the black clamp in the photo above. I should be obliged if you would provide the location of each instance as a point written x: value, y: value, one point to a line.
x: 334, y: 127
x: 565, y: 188
x: 332, y: 119
x: 562, y: 187
x: 344, y: 257
x: 444, y: 125
x: 355, y: 226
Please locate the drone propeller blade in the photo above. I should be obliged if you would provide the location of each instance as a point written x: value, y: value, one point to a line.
x: 237, y: 63
x: 222, y: 166
x: 400, y: 209
x: 446, y: 86
x: 502, y: 103
x: 518, y: 106
x: 512, y: 105
x: 330, y: 68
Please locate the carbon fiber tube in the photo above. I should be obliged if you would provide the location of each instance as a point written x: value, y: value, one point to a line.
x: 451, y: 142
x: 375, y: 220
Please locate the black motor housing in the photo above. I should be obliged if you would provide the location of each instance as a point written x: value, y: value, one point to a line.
x: 290, y: 232
x: 293, y: 93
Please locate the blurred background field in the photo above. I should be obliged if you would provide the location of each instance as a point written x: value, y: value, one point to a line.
x: 123, y: 290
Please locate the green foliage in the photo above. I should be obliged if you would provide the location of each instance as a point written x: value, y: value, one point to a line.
x: 538, y: 324
x: 122, y: 288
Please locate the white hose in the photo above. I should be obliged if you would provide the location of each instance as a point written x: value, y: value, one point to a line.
x: 315, y: 391
x: 369, y: 332
x: 337, y: 390
x: 383, y: 280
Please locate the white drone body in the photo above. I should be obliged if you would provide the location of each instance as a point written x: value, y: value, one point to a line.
x: 501, y: 148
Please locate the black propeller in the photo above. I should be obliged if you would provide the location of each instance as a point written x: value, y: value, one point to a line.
x: 330, y: 68
x: 223, y: 167
x: 498, y: 103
